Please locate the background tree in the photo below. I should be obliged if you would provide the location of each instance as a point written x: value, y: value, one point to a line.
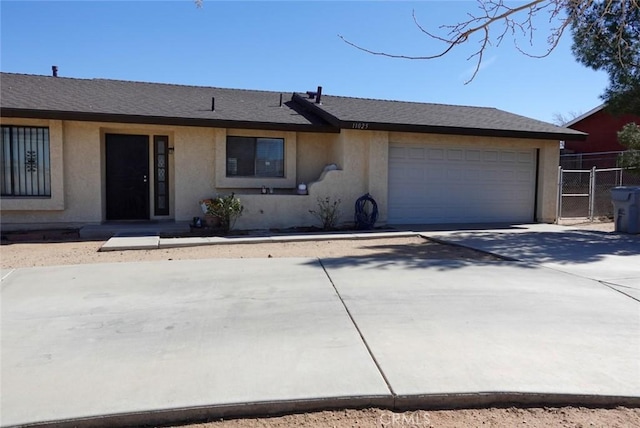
x: 560, y: 119
x: 629, y: 136
x: 606, y: 36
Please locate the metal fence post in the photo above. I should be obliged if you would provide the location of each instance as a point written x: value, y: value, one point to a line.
x: 559, y: 204
x: 592, y: 192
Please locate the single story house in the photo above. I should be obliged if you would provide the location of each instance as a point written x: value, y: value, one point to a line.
x: 89, y: 151
x: 601, y: 147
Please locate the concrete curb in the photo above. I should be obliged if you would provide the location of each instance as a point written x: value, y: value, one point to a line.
x: 509, y: 399
x: 214, y: 412
x: 278, y: 408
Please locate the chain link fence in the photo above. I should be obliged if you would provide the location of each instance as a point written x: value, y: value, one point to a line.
x: 585, y: 194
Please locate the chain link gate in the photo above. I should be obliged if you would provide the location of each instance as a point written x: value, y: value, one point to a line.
x: 585, y: 193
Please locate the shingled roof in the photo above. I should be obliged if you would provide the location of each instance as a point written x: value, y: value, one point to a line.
x: 138, y: 102
x: 362, y: 113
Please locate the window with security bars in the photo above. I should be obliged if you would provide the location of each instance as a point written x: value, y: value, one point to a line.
x: 25, y: 164
x: 255, y: 157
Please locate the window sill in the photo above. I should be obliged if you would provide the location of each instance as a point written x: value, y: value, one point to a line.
x: 255, y: 183
x: 23, y: 198
x: 32, y: 203
x: 270, y: 192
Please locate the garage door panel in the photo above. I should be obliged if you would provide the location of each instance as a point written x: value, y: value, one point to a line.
x: 435, y: 154
x: 455, y: 154
x: 397, y: 152
x: 416, y: 154
x: 460, y: 185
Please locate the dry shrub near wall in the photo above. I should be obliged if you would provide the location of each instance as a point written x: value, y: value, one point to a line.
x: 328, y: 212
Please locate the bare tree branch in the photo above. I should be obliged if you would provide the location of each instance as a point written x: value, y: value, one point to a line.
x: 493, y: 11
x: 517, y: 21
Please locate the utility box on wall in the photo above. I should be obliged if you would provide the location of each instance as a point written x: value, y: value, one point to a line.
x: 626, y: 209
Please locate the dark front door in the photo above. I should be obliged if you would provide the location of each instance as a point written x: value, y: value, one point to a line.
x: 127, y: 166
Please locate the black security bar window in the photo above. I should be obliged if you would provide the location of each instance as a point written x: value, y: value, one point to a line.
x: 25, y: 163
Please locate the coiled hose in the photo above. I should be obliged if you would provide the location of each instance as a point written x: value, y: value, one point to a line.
x: 365, y: 217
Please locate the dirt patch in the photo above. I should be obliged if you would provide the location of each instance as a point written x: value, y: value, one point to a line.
x: 600, y: 225
x: 565, y: 417
x: 21, y: 254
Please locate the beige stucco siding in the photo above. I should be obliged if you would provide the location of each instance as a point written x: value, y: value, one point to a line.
x: 194, y: 158
x: 198, y: 171
x: 548, y: 181
x: 313, y: 154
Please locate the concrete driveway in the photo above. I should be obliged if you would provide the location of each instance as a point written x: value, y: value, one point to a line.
x: 158, y: 342
x: 610, y: 258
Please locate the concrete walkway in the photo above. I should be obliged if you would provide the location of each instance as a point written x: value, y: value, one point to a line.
x: 152, y: 242
x: 159, y: 342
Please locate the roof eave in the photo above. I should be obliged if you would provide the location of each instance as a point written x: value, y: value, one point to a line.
x: 452, y: 130
x: 584, y: 116
x: 160, y: 120
x: 431, y: 129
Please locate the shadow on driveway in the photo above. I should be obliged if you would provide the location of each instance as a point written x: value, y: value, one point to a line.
x: 427, y: 254
x: 568, y: 247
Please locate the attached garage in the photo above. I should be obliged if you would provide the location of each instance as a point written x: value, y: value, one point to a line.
x: 442, y: 184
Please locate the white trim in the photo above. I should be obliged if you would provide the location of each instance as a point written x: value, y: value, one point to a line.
x: 583, y: 116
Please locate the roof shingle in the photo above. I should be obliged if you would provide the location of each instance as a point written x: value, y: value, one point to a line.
x: 122, y: 98
x: 140, y: 102
x: 425, y: 117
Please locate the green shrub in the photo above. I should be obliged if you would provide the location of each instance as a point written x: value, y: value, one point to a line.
x: 226, y: 208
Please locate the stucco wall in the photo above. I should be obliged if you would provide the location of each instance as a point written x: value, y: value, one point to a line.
x: 313, y: 154
x: 362, y: 160
x: 77, y: 171
x: 197, y: 171
x: 194, y: 157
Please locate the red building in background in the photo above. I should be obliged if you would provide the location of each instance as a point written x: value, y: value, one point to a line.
x: 601, y: 146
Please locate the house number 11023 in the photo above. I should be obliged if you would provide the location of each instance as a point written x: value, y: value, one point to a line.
x: 359, y: 125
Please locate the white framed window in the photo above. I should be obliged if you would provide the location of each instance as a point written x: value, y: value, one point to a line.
x: 255, y: 157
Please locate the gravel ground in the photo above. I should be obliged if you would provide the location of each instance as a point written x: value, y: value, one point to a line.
x: 47, y: 253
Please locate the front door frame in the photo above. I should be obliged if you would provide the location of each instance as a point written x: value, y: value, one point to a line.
x: 140, y: 189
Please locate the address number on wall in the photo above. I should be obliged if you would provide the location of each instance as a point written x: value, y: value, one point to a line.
x: 359, y: 125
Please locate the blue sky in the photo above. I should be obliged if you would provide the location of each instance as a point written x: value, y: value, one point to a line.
x: 291, y: 46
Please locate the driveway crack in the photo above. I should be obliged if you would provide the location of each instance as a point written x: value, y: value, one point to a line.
x: 364, y: 341
x: 614, y: 287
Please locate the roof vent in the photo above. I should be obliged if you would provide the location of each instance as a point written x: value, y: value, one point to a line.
x: 213, y: 103
x: 317, y: 94
x: 54, y: 70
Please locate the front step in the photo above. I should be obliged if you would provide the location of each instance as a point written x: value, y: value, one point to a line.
x: 108, y: 230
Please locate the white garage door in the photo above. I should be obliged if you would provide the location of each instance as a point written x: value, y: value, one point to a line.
x: 433, y: 185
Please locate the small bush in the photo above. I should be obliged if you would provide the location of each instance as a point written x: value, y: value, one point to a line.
x: 328, y: 212
x: 226, y: 208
